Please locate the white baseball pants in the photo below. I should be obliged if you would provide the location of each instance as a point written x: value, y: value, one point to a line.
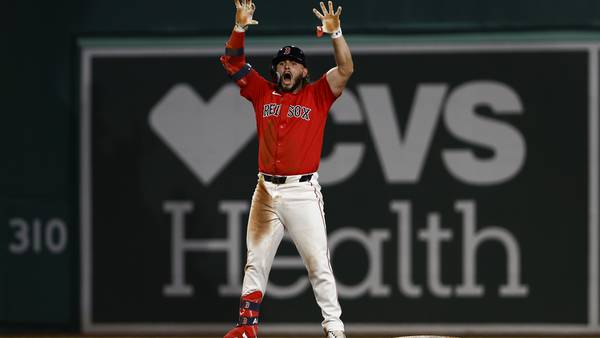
x: 298, y: 208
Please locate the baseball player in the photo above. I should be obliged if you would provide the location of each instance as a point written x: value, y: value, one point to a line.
x: 290, y: 118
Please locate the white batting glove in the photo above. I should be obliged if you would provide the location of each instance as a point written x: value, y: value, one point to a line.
x: 330, y: 20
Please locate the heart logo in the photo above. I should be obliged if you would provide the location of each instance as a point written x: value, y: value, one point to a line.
x: 206, y: 136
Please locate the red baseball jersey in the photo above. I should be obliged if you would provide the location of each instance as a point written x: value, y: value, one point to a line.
x: 290, y: 126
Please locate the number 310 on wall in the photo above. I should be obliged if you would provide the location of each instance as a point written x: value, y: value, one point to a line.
x: 37, y: 236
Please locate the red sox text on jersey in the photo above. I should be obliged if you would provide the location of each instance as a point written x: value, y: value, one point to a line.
x: 290, y: 143
x: 273, y: 109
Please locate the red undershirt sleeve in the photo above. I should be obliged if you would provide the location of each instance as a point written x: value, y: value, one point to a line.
x: 234, y: 61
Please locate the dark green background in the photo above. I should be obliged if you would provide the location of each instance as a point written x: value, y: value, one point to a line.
x: 39, y: 95
x: 544, y: 206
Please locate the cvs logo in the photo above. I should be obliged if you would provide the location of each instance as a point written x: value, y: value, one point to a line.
x: 208, y: 135
x: 402, y: 156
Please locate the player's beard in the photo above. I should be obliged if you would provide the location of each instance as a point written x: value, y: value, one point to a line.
x: 296, y: 82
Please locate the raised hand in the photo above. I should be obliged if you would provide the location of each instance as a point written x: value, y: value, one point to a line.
x: 330, y: 20
x: 244, y: 9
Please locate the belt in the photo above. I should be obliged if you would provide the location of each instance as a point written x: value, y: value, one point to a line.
x: 282, y: 179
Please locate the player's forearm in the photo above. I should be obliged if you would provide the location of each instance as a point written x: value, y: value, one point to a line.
x: 235, y: 45
x: 234, y: 58
x: 343, y: 57
x: 234, y: 49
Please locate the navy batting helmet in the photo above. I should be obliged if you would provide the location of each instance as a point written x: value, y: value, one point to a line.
x: 289, y: 53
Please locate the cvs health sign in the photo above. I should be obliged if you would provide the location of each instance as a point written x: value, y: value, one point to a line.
x: 460, y: 187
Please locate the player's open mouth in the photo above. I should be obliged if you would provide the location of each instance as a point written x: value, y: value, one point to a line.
x: 287, y: 76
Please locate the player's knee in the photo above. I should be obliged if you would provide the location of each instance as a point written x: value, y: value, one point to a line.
x: 318, y: 267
